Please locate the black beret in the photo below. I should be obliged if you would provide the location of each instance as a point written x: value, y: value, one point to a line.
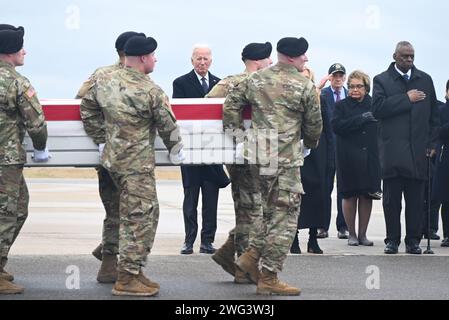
x: 125, y: 36
x: 293, y: 47
x: 11, y: 39
x: 257, y: 51
x: 7, y: 27
x: 337, y: 67
x: 140, y: 46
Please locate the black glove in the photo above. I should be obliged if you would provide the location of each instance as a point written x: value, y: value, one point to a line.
x: 368, y: 117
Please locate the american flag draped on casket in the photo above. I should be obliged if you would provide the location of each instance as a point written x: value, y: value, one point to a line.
x: 200, y: 121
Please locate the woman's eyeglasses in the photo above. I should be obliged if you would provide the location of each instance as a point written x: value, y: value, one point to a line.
x: 356, y: 86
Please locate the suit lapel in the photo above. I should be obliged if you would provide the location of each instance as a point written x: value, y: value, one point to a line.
x: 196, y: 82
x: 330, y: 98
x: 213, y: 80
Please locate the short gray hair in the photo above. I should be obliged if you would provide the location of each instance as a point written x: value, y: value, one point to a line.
x: 403, y: 44
x: 201, y: 46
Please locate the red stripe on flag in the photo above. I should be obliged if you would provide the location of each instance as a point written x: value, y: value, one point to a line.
x: 182, y: 112
x: 198, y: 112
x: 62, y: 113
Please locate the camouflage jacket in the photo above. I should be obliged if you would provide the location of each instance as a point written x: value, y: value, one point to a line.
x: 20, y: 111
x: 222, y: 89
x: 285, y: 106
x: 97, y: 73
x: 132, y: 107
x: 98, y: 135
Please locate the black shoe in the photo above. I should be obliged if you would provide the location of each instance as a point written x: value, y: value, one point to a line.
x: 295, y: 249
x: 313, y: 247
x: 322, y: 234
x: 445, y: 242
x: 391, y: 248
x: 433, y: 235
x: 343, y: 234
x: 413, y: 249
x: 187, y: 248
x: 207, y: 248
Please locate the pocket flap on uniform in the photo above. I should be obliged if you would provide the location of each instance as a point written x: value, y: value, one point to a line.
x: 3, y: 98
x: 290, y: 180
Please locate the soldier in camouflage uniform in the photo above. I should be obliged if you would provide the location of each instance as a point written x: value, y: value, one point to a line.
x: 132, y: 108
x: 244, y: 177
x: 107, y: 250
x: 20, y: 111
x: 286, y: 103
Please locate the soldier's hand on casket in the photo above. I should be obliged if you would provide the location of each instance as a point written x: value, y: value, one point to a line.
x: 239, y: 150
x: 101, y: 149
x: 181, y: 155
x: 305, y: 151
x: 177, y: 158
x: 41, y: 155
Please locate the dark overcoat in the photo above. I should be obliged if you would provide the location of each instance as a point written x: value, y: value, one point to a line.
x: 314, y: 178
x: 406, y: 129
x: 441, y: 177
x: 358, y: 167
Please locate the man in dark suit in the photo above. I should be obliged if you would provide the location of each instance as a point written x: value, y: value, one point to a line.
x: 404, y: 102
x: 329, y: 97
x: 207, y: 178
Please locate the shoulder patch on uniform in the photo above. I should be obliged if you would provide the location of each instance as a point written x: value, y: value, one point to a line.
x: 30, y: 92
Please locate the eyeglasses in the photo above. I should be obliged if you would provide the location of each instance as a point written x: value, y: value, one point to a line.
x: 356, y: 86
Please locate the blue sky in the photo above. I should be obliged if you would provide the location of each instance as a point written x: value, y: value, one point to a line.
x: 67, y: 40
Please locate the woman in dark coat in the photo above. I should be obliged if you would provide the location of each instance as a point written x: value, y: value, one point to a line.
x: 313, y: 179
x: 441, y: 178
x: 358, y: 166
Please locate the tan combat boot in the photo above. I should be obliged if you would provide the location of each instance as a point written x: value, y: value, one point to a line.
x: 225, y: 256
x: 146, y: 281
x: 7, y: 287
x: 269, y: 284
x: 248, y: 263
x: 108, y: 269
x: 240, y: 277
x: 6, y: 276
x: 97, y: 253
x: 128, y: 284
x: 3, y: 274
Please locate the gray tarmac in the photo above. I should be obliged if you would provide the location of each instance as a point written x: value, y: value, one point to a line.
x: 197, y: 277
x: 52, y: 255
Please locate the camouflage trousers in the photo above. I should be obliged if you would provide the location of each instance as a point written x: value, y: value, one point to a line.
x: 110, y: 197
x: 139, y: 217
x: 14, y: 200
x: 281, y: 200
x: 247, y: 203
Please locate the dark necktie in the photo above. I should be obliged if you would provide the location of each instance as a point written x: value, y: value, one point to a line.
x: 337, y: 93
x: 204, y: 85
x: 406, y: 77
